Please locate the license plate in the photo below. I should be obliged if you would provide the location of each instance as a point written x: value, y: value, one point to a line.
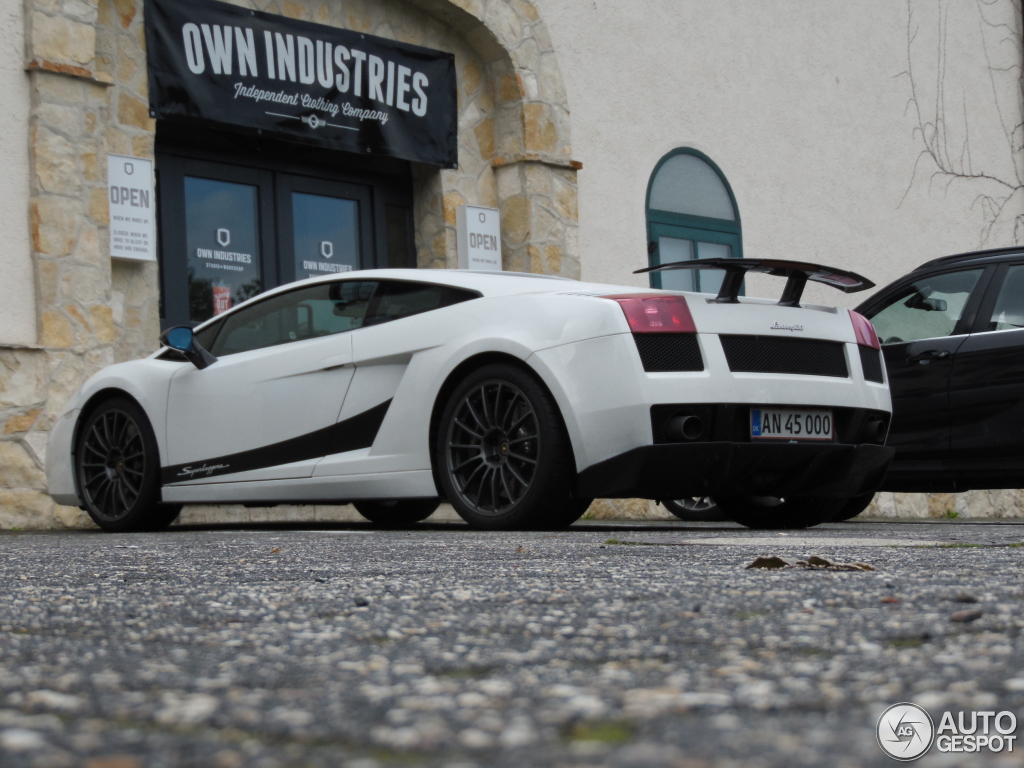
x: 772, y: 424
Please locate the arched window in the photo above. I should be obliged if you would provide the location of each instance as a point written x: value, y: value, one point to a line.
x: 691, y: 214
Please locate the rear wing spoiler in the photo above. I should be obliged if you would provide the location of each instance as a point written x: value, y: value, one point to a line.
x: 797, y: 272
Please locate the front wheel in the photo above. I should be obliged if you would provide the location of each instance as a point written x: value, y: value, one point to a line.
x: 502, y: 454
x: 118, y: 469
x: 695, y: 509
x: 398, y: 512
x: 772, y: 513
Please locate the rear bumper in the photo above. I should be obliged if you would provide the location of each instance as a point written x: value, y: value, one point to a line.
x: 673, y: 470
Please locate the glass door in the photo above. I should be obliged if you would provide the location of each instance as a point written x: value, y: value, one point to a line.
x: 216, y: 237
x: 239, y: 216
x: 222, y: 243
x: 323, y: 227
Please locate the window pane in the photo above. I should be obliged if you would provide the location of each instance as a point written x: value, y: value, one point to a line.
x: 307, y: 313
x: 927, y: 309
x: 397, y: 300
x: 710, y: 280
x: 222, y: 239
x: 672, y: 249
x: 1008, y: 312
x: 326, y: 234
x: 687, y: 184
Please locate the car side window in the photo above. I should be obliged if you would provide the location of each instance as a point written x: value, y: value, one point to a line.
x: 396, y: 300
x: 1008, y: 312
x: 928, y: 308
x: 305, y: 313
x: 206, y: 336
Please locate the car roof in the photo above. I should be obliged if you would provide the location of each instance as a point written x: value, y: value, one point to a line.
x: 487, y: 283
x: 992, y: 254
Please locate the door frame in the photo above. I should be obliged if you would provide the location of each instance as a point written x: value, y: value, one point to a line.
x: 244, y: 157
x: 287, y: 183
x: 172, y: 239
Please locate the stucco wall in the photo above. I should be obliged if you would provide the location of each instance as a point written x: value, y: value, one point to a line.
x: 842, y: 141
x: 17, y: 286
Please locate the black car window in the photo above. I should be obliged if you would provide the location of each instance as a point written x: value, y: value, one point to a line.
x: 927, y: 308
x: 396, y: 300
x: 305, y: 313
x: 1008, y: 312
x: 206, y: 336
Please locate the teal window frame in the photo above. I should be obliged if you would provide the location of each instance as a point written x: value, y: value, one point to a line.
x: 686, y: 227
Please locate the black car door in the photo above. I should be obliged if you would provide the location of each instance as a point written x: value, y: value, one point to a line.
x: 986, y: 393
x: 921, y: 324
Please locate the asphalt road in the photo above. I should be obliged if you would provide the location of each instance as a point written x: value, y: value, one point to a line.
x: 608, y: 645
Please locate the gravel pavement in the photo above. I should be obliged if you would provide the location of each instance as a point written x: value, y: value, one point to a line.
x: 607, y: 645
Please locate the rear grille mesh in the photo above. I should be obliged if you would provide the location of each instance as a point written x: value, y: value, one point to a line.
x: 661, y: 352
x: 768, y: 354
x: 871, y: 363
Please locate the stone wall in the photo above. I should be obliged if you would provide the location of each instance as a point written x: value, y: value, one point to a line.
x: 89, y: 97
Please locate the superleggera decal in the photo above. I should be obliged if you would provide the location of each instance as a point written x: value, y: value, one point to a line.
x: 349, y: 435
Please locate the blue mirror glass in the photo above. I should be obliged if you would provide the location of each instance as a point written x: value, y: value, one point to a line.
x: 180, y: 339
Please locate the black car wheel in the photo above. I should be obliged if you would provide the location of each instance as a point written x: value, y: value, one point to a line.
x: 502, y: 454
x: 397, y: 513
x: 772, y: 513
x: 695, y: 509
x: 853, y: 507
x: 118, y: 469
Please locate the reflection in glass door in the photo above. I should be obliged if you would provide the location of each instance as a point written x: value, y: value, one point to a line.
x: 325, y: 234
x: 222, y: 243
x: 325, y: 227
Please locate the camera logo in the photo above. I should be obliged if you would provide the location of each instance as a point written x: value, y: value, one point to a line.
x: 905, y: 731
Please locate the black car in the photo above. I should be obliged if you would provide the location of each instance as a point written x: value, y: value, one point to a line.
x: 952, y: 334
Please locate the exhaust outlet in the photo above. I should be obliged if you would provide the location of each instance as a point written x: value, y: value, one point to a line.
x: 684, y: 428
x: 873, y: 431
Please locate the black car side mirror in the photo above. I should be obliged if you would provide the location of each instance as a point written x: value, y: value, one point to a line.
x: 183, y: 339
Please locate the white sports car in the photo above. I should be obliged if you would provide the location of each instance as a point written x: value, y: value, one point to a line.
x: 517, y: 398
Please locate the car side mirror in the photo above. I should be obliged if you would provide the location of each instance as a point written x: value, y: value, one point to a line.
x: 183, y: 339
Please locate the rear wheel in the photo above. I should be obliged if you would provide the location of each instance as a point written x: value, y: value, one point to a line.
x: 773, y: 513
x: 695, y: 509
x: 398, y: 512
x: 565, y: 514
x: 502, y: 454
x: 853, y: 507
x: 118, y: 469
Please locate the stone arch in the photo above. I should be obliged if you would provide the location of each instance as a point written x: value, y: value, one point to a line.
x: 518, y: 129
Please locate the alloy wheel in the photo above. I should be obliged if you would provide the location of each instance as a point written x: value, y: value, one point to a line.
x: 112, y: 464
x: 492, y: 447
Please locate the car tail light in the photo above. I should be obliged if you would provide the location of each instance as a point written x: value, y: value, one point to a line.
x: 656, y: 314
x: 864, y: 331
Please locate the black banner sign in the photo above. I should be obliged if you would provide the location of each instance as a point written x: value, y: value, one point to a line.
x: 310, y: 82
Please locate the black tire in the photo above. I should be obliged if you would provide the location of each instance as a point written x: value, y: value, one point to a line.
x: 565, y: 514
x: 695, y: 509
x: 398, y: 512
x: 502, y: 454
x: 853, y: 507
x: 117, y: 466
x: 768, y: 513
x: 163, y: 516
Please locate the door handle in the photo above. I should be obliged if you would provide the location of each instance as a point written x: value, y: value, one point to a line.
x: 928, y: 355
x: 338, y: 361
